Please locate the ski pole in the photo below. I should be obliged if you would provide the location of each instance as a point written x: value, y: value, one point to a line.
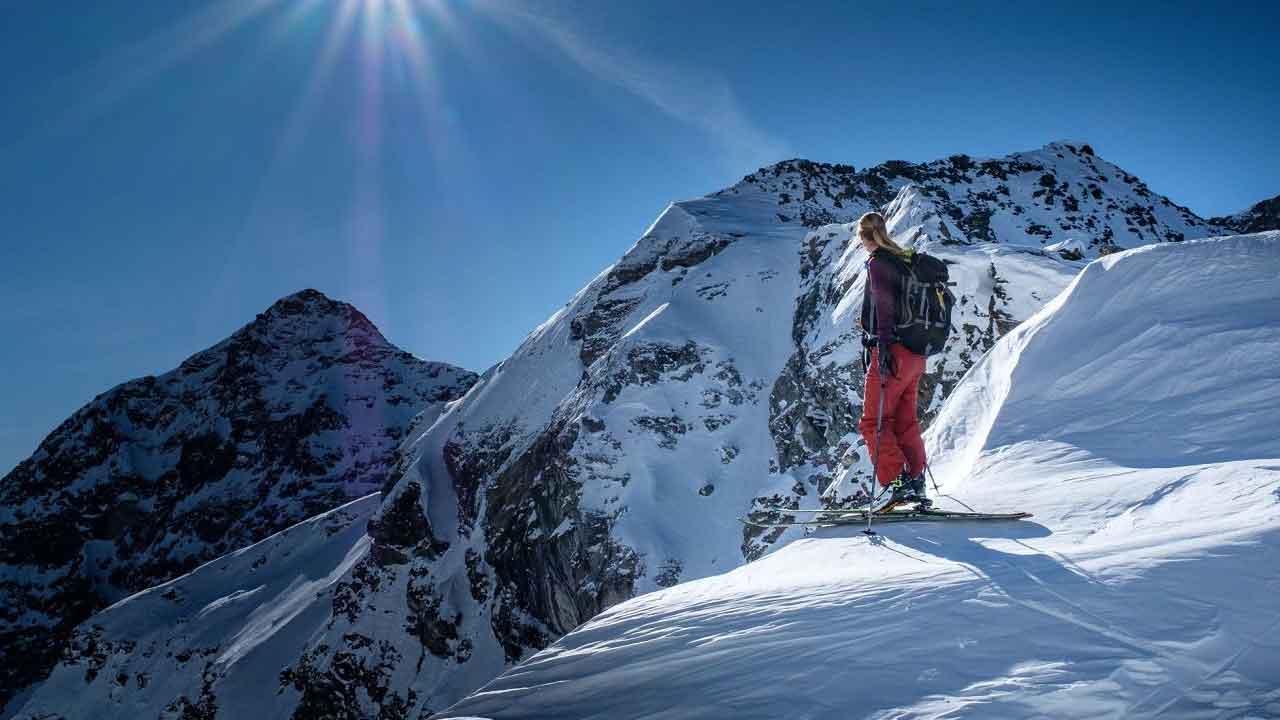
x: 875, y: 455
x: 875, y: 482
x: 934, y: 480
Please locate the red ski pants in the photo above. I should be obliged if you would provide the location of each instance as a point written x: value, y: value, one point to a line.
x: 900, y: 444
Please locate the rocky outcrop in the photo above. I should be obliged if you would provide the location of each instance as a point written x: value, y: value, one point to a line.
x: 1032, y: 198
x: 1259, y: 218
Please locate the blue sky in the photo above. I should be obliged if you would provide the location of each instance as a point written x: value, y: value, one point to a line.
x: 169, y: 168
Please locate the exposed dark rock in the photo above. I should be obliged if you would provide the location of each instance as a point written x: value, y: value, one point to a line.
x: 401, y: 526
x: 1259, y: 218
x: 669, y: 428
x: 437, y: 633
x: 471, y: 457
x: 477, y: 577
x: 669, y: 573
x: 562, y: 578
x: 601, y: 327
x: 715, y: 422
x: 332, y: 686
x: 653, y: 363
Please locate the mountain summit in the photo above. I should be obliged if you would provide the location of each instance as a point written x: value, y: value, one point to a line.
x: 1062, y: 191
x: 1259, y: 218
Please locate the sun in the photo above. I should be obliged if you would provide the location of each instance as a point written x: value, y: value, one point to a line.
x: 385, y: 31
x: 381, y: 32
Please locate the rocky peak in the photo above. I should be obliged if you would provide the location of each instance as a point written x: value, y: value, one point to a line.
x: 295, y: 413
x: 1081, y: 147
x: 1259, y: 218
x: 310, y: 323
x: 313, y: 310
x: 305, y: 301
x: 1030, y: 198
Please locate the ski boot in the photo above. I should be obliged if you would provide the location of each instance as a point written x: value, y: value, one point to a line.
x: 882, y: 498
x: 913, y: 490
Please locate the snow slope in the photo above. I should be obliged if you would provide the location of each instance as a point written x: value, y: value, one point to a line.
x: 233, y: 622
x: 1134, y: 415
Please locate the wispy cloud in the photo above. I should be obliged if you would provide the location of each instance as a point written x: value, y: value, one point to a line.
x: 695, y: 96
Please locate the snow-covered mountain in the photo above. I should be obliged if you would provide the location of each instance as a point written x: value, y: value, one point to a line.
x: 1134, y: 415
x: 711, y: 372
x: 296, y: 413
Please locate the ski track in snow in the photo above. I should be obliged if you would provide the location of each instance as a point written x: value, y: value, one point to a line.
x: 1145, y: 586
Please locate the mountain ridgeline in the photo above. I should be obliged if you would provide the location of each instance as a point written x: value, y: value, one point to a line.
x: 712, y: 372
x: 1261, y: 217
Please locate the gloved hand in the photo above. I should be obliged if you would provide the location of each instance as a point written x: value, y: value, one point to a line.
x: 888, y: 368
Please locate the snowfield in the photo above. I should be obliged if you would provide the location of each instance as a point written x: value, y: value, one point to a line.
x: 1134, y: 415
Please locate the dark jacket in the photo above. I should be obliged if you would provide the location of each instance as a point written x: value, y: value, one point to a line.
x: 879, y: 298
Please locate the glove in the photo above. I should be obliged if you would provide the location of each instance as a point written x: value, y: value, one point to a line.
x: 887, y: 365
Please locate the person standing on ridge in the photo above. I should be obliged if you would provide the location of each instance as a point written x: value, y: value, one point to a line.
x: 889, y: 422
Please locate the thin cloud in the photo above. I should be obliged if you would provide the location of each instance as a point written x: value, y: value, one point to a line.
x: 695, y: 97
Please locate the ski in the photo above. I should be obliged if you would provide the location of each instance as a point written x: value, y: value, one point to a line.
x: 858, y: 517
x: 839, y: 511
x: 892, y: 506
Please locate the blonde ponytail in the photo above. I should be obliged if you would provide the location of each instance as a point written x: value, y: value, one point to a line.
x: 871, y: 227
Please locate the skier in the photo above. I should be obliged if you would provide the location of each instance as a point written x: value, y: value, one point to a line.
x: 889, y: 422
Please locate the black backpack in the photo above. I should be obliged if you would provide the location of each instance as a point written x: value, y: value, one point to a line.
x: 924, y: 303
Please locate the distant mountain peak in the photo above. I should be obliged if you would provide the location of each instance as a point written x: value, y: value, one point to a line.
x: 1261, y: 217
x: 313, y: 305
x: 307, y: 299
x: 1074, y: 146
x: 295, y: 413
